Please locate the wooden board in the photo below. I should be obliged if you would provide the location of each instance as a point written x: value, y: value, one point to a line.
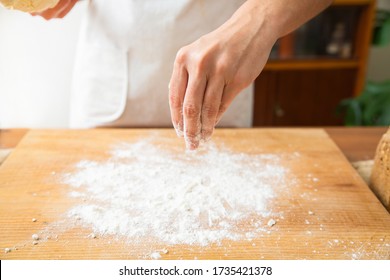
x: 347, y: 220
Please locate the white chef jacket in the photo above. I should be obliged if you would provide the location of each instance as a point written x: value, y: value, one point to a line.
x: 125, y: 60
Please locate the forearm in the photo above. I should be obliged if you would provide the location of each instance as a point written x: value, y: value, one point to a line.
x: 292, y: 14
x: 279, y: 17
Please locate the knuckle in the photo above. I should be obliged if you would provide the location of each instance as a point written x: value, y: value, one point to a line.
x: 174, y: 100
x: 240, y: 82
x: 181, y: 56
x: 221, y: 67
x: 198, y: 63
x: 209, y: 111
x: 191, y: 134
x: 236, y: 87
x: 199, y: 60
x: 191, y: 111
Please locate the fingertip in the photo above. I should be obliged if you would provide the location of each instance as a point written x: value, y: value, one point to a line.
x: 192, y: 145
x: 179, y: 132
x: 178, y: 129
x: 206, y: 136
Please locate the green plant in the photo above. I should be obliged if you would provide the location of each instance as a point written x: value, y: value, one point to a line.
x: 381, y: 32
x: 372, y: 107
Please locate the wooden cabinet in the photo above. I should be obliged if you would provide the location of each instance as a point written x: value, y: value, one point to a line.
x: 298, y: 89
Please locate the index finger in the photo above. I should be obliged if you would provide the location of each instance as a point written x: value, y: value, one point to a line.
x: 192, y: 107
x: 177, y: 88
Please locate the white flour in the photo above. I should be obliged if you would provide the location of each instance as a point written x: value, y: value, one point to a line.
x: 203, y: 197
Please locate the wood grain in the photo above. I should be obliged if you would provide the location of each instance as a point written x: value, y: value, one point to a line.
x: 348, y: 222
x: 301, y: 98
x: 311, y: 64
x: 9, y: 138
x: 357, y: 143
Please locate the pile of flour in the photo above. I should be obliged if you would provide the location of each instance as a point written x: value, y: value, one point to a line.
x: 146, y: 190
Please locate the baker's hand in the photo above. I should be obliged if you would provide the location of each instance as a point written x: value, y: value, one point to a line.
x: 209, y: 73
x: 59, y: 11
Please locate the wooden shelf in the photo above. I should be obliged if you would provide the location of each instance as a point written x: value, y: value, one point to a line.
x: 311, y: 64
x: 298, y: 90
x: 351, y: 2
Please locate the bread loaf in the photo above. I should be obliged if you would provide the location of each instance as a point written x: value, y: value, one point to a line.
x: 29, y: 6
x: 380, y: 177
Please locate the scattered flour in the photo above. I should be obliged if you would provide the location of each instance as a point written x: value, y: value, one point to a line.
x: 155, y: 255
x: 202, y: 197
x: 271, y: 222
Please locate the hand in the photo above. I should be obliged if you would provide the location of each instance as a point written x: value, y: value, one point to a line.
x: 59, y: 11
x: 209, y: 73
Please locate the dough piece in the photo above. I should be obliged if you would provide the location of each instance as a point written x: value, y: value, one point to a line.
x: 380, y: 177
x: 364, y: 168
x: 155, y: 255
x: 29, y: 6
x: 271, y: 223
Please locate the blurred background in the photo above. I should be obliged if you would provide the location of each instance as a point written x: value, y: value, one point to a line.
x: 334, y: 70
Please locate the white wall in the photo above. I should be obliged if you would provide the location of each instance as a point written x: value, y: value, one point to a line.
x: 379, y: 62
x: 36, y: 63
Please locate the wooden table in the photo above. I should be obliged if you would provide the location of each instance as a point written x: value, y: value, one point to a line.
x: 327, y: 211
x: 356, y: 143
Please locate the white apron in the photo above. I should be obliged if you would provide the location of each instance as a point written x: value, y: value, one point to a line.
x: 125, y: 60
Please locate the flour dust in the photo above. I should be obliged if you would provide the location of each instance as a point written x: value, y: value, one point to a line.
x: 145, y: 190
